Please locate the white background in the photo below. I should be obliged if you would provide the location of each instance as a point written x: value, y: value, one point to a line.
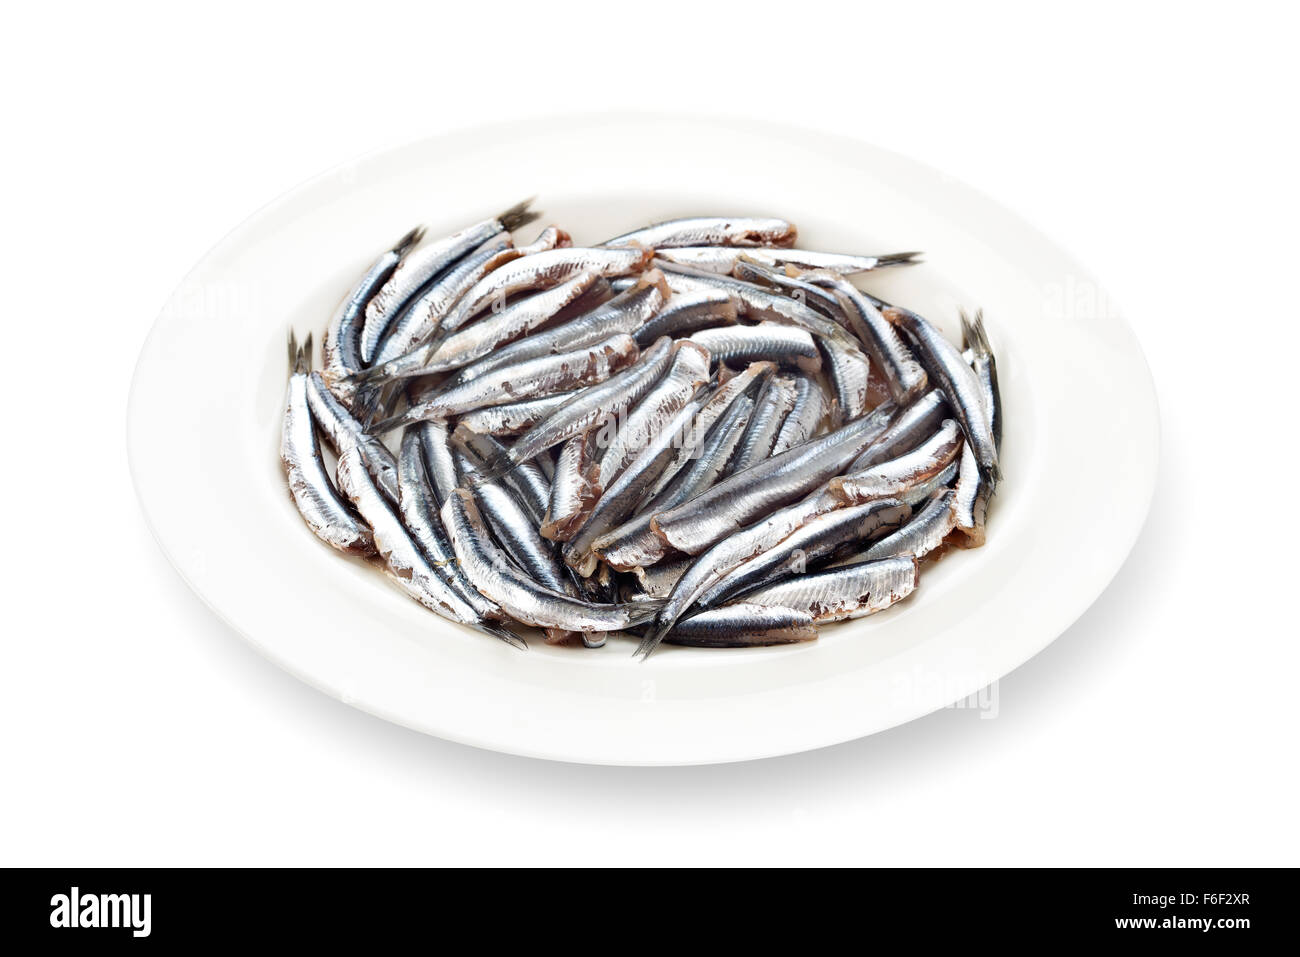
x: 1157, y: 143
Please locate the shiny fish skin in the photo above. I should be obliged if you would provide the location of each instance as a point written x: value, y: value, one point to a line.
x: 575, y: 490
x: 657, y: 580
x: 343, y: 430
x: 746, y: 496
x: 722, y: 259
x: 610, y: 400
x: 950, y: 373
x: 906, y: 377
x: 711, y: 231
x: 523, y: 599
x: 526, y: 479
x: 895, y: 476
x: 534, y: 378
x: 923, y: 534
x: 773, y: 404
x: 627, y: 312
x: 621, y: 497
x: 422, y: 264
x: 405, y: 561
x: 328, y: 516
x: 805, y: 418
x: 514, y: 417
x: 850, y: 377
x: 688, y: 370
x: 744, y: 625
x: 341, y: 347
x: 421, y: 318
x: 773, y: 341
x: 418, y: 505
x: 849, y: 591
x: 970, y: 500
x: 633, y: 544
x: 976, y: 341
x: 818, y: 540
x: 689, y: 312
x: 542, y: 271
x: 910, y: 428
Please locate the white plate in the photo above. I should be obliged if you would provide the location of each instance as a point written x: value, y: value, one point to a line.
x: 1079, y: 451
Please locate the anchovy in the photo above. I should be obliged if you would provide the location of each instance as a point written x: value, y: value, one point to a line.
x: 773, y: 404
x: 534, y: 378
x: 404, y: 560
x: 722, y: 259
x: 657, y: 580
x: 526, y: 480
x: 805, y: 418
x: 850, y: 377
x: 689, y: 312
x: 607, y: 401
x: 576, y: 488
x: 745, y: 496
x: 774, y: 341
x: 895, y: 476
x: 341, y: 347
x: 950, y: 372
x: 622, y: 496
x: 985, y: 367
x: 634, y: 544
x: 542, y: 271
x: 906, y: 377
x: 923, y: 534
x: 342, y: 430
x: 971, y: 499
x: 423, y: 264
x: 421, y: 318
x: 330, y: 517
x: 627, y: 312
x: 820, y: 540
x: 514, y: 417
x: 914, y: 425
x: 849, y: 591
x: 744, y: 625
x: 522, y: 598
x: 688, y: 371
x: 711, y: 231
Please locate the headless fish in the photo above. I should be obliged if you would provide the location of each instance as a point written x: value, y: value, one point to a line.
x: 849, y: 591
x: 893, y: 477
x: 722, y: 260
x: 711, y: 231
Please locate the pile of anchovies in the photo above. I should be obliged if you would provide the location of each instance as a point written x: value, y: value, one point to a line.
x: 694, y: 432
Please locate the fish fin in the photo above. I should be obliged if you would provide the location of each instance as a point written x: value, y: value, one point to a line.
x: 293, y: 351
x: 898, y: 259
x: 518, y: 215
x: 403, y: 245
x: 652, y: 639
x: 497, y: 465
x: 643, y: 611
x: 307, y: 353
x: 384, y: 426
x: 502, y: 632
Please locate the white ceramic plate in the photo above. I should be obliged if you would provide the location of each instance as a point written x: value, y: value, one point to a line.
x: 1080, y: 440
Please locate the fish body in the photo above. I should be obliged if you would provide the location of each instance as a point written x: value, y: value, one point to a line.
x: 711, y: 231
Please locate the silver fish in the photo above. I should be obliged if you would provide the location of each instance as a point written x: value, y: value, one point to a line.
x: 850, y: 377
x: 421, y: 318
x: 950, y: 372
x: 531, y: 379
x: 774, y: 341
x: 849, y: 591
x: 910, y: 428
x: 688, y: 371
x: 576, y: 488
x: 805, y: 418
x: 610, y: 400
x: 342, y: 430
x: 744, y: 625
x: 711, y: 231
x: 542, y: 271
x: 622, y: 496
x: 514, y: 417
x: 657, y: 580
x: 985, y: 367
x: 405, y: 561
x: 722, y: 259
x: 627, y: 312
x: 341, y: 348
x: 895, y: 476
x: 923, y: 534
x: 325, y: 512
x: 422, y: 264
x: 891, y: 355
x: 689, y: 312
x: 522, y: 598
x: 971, y: 499
x: 745, y: 496
x: 526, y: 480
x: 820, y: 539
x: 773, y: 404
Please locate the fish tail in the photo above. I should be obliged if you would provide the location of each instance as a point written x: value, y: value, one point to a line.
x: 518, y: 215
x: 403, y: 245
x: 299, y: 353
x: 293, y: 351
x: 643, y: 611
x: 652, y: 639
x: 502, y: 632
x: 898, y: 259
